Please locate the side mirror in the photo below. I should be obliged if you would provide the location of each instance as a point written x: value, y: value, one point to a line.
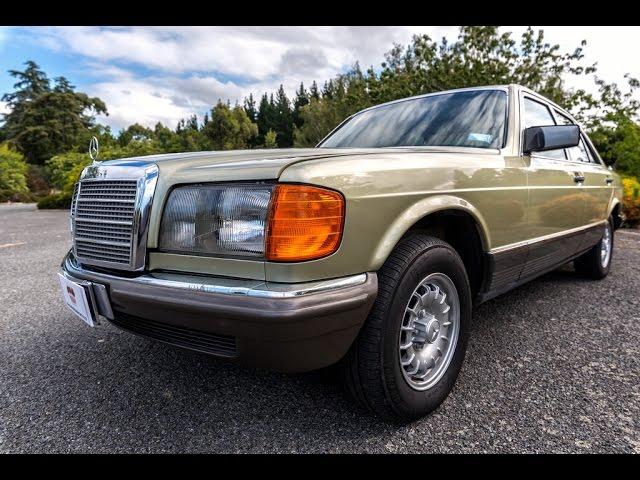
x: 552, y: 137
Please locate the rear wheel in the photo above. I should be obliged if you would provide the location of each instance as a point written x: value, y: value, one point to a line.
x: 408, y: 354
x: 596, y: 263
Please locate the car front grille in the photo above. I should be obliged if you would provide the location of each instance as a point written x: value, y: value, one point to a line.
x: 103, y: 213
x: 110, y: 212
x: 220, y: 345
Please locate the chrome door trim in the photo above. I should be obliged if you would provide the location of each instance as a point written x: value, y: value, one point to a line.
x: 551, y: 236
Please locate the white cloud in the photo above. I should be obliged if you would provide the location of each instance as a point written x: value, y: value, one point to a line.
x: 4, y: 108
x: 197, y: 91
x: 151, y: 99
x: 167, y: 99
x: 137, y: 101
x: 150, y: 74
x: 251, y: 52
x: 191, y: 61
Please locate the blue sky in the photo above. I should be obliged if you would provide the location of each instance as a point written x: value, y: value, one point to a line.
x: 150, y: 74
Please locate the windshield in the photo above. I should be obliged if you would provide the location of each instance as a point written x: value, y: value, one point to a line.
x: 473, y: 118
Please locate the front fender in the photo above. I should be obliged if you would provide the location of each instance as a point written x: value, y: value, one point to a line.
x: 419, y: 210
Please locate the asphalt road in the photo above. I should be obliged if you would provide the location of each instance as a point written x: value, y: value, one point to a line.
x: 553, y: 366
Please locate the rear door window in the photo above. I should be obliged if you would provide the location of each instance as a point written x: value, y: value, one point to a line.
x: 580, y: 153
x: 537, y: 114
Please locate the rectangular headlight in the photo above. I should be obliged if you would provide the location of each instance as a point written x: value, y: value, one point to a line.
x: 216, y: 219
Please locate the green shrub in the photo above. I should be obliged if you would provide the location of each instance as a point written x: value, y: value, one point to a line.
x: 13, y: 170
x: 22, y: 197
x: 135, y: 148
x: 56, y: 200
x: 631, y: 200
x: 63, y: 199
x: 64, y: 170
x: 61, y: 166
x: 37, y: 181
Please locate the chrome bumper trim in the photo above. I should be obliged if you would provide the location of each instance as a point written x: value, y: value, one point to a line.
x: 218, y: 285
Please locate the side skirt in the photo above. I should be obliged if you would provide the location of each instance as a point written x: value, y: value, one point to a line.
x: 510, y: 268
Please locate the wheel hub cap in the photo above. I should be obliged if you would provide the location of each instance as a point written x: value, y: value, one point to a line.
x: 425, y: 329
x: 429, y: 331
x: 432, y: 330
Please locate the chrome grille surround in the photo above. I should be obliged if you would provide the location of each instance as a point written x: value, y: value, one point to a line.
x: 110, y: 214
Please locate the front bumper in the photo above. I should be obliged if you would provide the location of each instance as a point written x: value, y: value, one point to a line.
x: 284, y: 327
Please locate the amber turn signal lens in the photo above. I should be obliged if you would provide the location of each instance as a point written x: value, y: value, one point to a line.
x: 304, y: 223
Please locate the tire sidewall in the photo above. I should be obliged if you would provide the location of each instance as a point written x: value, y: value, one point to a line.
x: 601, y: 271
x: 605, y: 270
x: 411, y: 402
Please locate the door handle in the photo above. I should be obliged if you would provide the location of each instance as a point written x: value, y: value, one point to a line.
x: 578, y: 177
x: 608, y: 180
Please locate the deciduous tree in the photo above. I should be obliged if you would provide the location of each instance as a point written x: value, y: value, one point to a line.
x: 228, y: 128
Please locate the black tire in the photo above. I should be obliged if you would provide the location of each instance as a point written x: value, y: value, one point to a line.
x: 589, y: 264
x: 371, y: 369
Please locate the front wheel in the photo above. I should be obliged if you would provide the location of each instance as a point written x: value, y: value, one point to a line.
x: 596, y: 263
x: 408, y: 354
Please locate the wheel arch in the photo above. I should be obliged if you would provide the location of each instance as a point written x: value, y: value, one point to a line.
x: 615, y: 211
x: 451, y: 219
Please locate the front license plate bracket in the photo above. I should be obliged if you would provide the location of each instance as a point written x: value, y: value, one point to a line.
x: 79, y: 297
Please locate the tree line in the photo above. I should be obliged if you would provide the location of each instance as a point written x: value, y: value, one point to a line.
x: 50, y: 123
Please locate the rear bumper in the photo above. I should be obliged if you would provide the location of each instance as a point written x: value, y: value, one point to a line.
x: 284, y: 327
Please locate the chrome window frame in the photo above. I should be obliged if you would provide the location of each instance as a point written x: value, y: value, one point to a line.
x: 538, y: 99
x: 146, y: 175
x: 591, y: 151
x: 555, y: 109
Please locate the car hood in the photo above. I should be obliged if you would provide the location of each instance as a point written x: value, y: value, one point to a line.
x: 232, y: 165
x: 266, y: 164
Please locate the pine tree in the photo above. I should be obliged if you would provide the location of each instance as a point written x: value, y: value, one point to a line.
x: 284, y: 119
x: 43, y: 122
x: 192, y: 123
x: 63, y: 85
x: 302, y: 99
x: 250, y: 107
x: 328, y: 89
x: 314, y: 94
x: 264, y: 116
x: 31, y: 83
